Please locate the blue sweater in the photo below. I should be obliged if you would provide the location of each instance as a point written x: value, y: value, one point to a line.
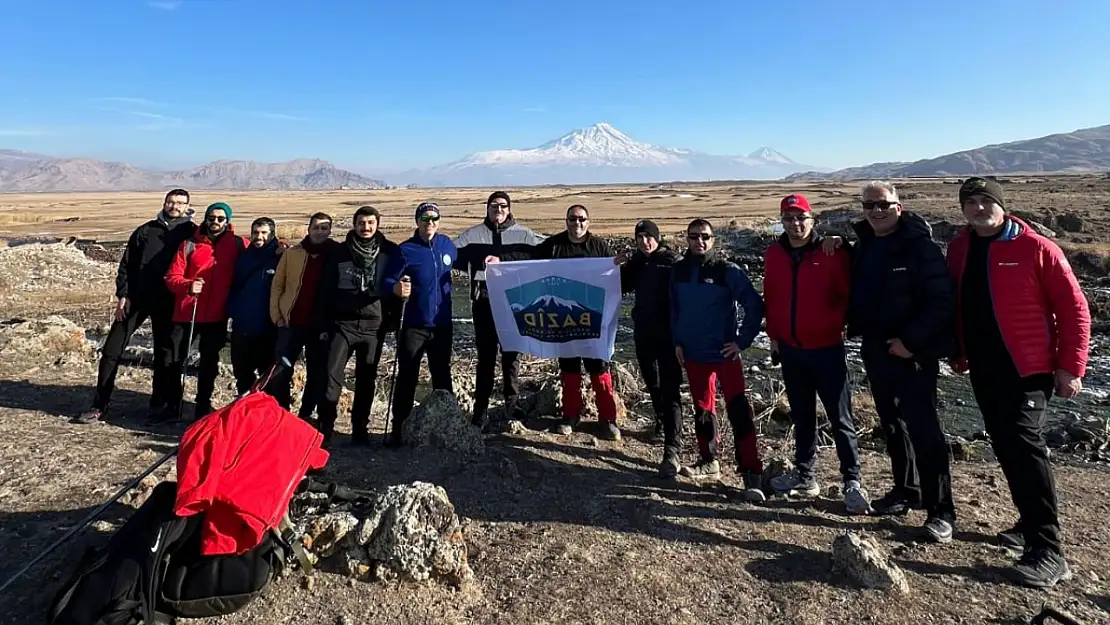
x: 428, y: 265
x: 248, y: 303
x: 704, y: 299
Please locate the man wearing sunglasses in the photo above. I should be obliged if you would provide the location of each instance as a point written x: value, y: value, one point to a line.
x: 706, y: 290
x: 498, y: 238
x: 577, y: 242
x: 1024, y: 333
x: 806, y: 292
x: 903, y: 308
x: 141, y: 292
x: 201, y: 276
x: 426, y: 259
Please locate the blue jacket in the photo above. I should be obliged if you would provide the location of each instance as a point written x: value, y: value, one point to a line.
x: 248, y: 303
x: 704, y: 296
x: 428, y: 265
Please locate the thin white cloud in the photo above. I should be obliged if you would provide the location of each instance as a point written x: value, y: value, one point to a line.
x: 128, y: 100
x: 145, y: 114
x: 23, y: 132
x: 165, y: 5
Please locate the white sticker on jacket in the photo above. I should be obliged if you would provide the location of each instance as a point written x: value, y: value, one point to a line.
x: 446, y: 259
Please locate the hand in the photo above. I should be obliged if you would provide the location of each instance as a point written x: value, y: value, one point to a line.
x: 492, y: 260
x: 196, y: 287
x: 896, y: 348
x: 831, y: 244
x: 121, y: 308
x: 620, y: 259
x: 730, y: 351
x: 959, y: 365
x: 679, y: 355
x: 403, y: 288
x: 1067, y: 385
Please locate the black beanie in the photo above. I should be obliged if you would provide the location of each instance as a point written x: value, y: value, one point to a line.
x: 499, y: 195
x: 648, y: 227
x: 982, y: 186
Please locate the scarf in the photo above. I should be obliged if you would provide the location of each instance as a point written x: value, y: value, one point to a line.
x: 364, y: 254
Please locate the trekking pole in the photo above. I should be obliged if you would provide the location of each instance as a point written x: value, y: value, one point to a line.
x: 91, y: 516
x: 396, y: 363
x: 185, y: 362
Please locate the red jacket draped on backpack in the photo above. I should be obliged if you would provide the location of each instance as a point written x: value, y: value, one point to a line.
x: 1042, y: 313
x: 240, y: 466
x: 212, y: 262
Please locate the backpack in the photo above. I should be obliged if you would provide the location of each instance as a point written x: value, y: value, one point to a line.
x: 151, y: 571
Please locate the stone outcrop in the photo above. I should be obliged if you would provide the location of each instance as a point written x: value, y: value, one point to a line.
x: 861, y: 560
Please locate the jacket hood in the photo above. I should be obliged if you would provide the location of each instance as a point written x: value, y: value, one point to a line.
x: 910, y: 226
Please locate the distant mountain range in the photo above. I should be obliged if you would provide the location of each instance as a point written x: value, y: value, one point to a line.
x: 1086, y: 150
x: 27, y: 172
x: 600, y: 154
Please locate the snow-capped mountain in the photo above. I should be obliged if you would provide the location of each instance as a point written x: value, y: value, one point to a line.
x: 601, y: 154
x: 547, y: 301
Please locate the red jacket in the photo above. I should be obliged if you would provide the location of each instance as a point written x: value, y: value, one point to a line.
x: 806, y: 302
x: 215, y: 264
x: 240, y: 466
x: 1042, y: 313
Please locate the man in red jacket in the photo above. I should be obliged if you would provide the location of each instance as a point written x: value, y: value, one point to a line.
x: 1024, y: 329
x: 805, y: 293
x: 200, y: 278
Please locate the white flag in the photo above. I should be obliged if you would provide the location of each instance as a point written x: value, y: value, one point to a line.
x: 561, y: 308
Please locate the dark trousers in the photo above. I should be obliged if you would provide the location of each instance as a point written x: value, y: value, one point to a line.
x: 703, y: 390
x: 290, y: 342
x: 251, y: 357
x: 161, y: 325
x: 364, y: 340
x: 211, y: 338
x: 485, y: 337
x: 412, y: 344
x: 1014, y: 412
x: 663, y: 377
x: 822, y: 373
x: 905, y: 394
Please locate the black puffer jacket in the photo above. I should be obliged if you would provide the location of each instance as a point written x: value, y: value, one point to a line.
x: 649, y: 277
x: 560, y: 246
x: 340, y: 296
x: 146, y: 259
x: 901, y: 289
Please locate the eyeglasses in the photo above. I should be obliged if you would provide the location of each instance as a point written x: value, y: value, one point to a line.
x: 499, y: 206
x: 577, y: 220
x: 698, y: 236
x: 795, y: 219
x: 881, y: 205
x: 216, y: 219
x: 427, y: 217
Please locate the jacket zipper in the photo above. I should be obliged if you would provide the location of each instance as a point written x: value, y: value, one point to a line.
x: 439, y: 295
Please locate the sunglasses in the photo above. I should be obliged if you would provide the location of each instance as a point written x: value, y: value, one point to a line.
x: 698, y: 236
x: 883, y: 205
x: 426, y: 217
x: 577, y: 220
x: 216, y: 219
x: 796, y: 219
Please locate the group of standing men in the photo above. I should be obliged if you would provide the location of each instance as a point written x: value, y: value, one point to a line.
x: 1004, y: 305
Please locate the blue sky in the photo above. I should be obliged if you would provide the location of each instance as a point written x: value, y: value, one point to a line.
x: 382, y: 86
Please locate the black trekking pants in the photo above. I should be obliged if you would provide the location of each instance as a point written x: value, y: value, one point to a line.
x: 161, y: 325
x: 251, y: 357
x: 412, y: 344
x: 905, y: 394
x: 822, y: 373
x: 663, y: 377
x: 363, y: 339
x: 290, y: 342
x: 485, y: 338
x: 210, y: 338
x: 1014, y: 411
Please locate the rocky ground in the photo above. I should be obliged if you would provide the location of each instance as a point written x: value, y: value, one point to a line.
x: 557, y: 529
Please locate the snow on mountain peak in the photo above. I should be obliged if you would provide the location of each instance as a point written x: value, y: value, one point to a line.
x: 768, y: 154
x: 552, y: 300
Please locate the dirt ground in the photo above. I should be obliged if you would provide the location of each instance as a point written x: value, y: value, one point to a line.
x: 561, y: 529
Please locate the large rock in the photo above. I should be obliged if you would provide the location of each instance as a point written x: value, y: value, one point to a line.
x: 439, y: 421
x: 861, y: 560
x: 412, y: 533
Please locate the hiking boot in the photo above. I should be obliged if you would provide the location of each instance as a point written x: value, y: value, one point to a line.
x: 610, y: 432
x: 753, y: 487
x: 895, y: 503
x: 1041, y: 568
x: 704, y: 469
x: 670, y: 466
x: 855, y: 498
x: 566, y: 427
x: 794, y: 484
x: 1012, y: 538
x: 938, y: 530
x: 89, y: 416
x: 657, y: 434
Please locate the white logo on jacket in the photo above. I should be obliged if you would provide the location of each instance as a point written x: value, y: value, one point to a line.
x: 446, y: 259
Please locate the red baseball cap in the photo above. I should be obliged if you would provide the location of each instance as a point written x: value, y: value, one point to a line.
x: 796, y: 201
